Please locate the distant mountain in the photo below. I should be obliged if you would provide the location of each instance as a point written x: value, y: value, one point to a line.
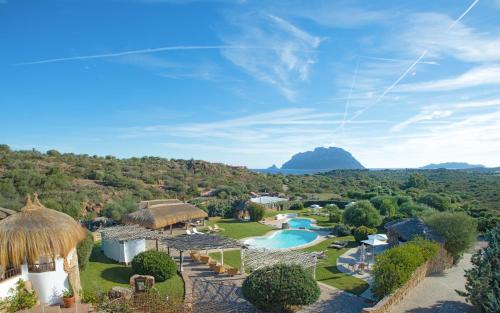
x: 452, y: 166
x: 273, y: 167
x: 331, y: 158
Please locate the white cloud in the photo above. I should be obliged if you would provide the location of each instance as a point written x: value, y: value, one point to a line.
x: 479, y: 76
x: 285, y: 66
x: 423, y: 116
x: 427, y: 31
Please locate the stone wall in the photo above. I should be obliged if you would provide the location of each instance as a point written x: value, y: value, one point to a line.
x: 440, y: 262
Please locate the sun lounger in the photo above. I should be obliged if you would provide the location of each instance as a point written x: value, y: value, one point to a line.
x: 212, y: 264
x: 217, y: 228
x: 195, y: 256
x: 197, y: 232
x: 338, y: 244
x: 210, y: 229
x: 204, y: 259
x: 188, y: 232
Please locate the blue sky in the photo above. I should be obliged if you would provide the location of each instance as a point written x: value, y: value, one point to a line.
x: 397, y: 83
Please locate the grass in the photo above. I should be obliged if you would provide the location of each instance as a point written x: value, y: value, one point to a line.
x: 103, y: 273
x: 238, y: 229
x: 231, y: 257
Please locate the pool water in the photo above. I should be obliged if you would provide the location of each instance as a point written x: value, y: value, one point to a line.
x: 283, y: 239
x: 304, y: 223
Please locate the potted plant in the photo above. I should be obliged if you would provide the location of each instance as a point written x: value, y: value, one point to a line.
x: 68, y: 297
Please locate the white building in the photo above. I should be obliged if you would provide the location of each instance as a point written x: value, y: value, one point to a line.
x: 38, y: 245
x: 122, y: 243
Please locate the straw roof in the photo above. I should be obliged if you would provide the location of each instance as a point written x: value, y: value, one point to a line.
x: 4, y: 213
x: 35, y: 232
x: 168, y: 212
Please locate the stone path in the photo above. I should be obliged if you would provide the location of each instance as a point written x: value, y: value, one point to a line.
x: 333, y: 300
x: 352, y: 256
x: 436, y: 293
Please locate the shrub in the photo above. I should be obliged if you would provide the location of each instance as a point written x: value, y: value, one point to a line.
x: 334, y: 213
x: 387, y: 205
x: 362, y: 232
x: 297, y: 206
x: 280, y: 287
x: 155, y: 263
x: 256, y: 211
x: 20, y: 298
x: 483, y: 279
x: 458, y: 230
x: 437, y: 201
x: 362, y: 213
x: 341, y: 230
x: 84, y: 250
x: 395, y: 266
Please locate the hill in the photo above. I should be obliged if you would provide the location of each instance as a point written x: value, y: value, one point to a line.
x: 331, y: 158
x: 452, y: 166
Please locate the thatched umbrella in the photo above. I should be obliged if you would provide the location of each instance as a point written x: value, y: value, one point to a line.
x: 35, y: 232
x: 156, y: 216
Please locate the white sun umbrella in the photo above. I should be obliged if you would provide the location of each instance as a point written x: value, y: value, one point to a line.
x: 374, y: 242
x: 382, y: 237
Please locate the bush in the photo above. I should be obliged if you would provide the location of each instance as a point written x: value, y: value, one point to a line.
x: 20, y: 298
x: 341, y: 230
x: 84, y: 250
x: 483, y: 279
x: 386, y: 205
x: 155, y: 263
x: 362, y: 232
x: 297, y: 206
x: 334, y: 213
x: 280, y: 287
x: 457, y: 229
x: 256, y: 211
x: 437, y: 201
x: 362, y: 213
x: 395, y: 266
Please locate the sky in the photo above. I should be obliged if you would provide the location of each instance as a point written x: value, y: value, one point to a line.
x: 396, y: 83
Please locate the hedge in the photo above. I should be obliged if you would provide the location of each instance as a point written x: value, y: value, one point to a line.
x: 394, y: 267
x: 84, y: 250
x: 361, y: 233
x: 280, y: 287
x: 155, y: 263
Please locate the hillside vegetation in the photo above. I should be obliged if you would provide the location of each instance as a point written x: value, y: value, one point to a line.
x: 85, y: 186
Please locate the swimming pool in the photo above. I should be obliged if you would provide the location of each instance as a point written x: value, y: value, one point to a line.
x: 304, y: 223
x: 283, y: 239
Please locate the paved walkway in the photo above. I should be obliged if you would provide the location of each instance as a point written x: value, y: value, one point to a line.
x: 436, y: 293
x: 352, y: 256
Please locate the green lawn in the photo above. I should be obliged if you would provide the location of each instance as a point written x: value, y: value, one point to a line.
x: 238, y: 229
x: 326, y: 271
x: 103, y: 273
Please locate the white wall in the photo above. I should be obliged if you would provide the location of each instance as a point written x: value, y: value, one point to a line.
x: 123, y: 252
x: 50, y: 286
x: 6, y: 285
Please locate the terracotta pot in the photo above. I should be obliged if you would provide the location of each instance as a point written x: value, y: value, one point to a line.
x: 69, y: 302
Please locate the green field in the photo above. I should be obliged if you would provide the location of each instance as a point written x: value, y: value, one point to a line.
x: 102, y: 273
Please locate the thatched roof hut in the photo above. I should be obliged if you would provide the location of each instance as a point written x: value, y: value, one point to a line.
x: 4, y: 213
x: 35, y: 232
x: 157, y: 214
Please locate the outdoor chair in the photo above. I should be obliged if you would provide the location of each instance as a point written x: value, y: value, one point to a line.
x: 195, y: 256
x: 210, y: 229
x: 212, y: 264
x: 204, y: 259
x: 188, y: 232
x: 338, y: 244
x: 219, y: 269
x: 231, y: 271
x: 197, y: 232
x: 217, y: 228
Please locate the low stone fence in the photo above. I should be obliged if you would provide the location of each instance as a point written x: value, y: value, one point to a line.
x: 437, y: 264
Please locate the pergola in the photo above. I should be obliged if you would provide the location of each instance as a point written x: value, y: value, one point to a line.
x: 199, y: 242
x: 130, y: 232
x: 254, y: 259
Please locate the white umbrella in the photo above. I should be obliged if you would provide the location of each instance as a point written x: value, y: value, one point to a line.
x: 374, y: 242
x: 382, y: 237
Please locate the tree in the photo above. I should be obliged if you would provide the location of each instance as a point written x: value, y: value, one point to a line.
x: 387, y: 205
x: 280, y: 287
x: 457, y: 229
x: 482, y: 288
x: 334, y: 213
x: 297, y: 206
x: 417, y: 180
x: 256, y: 211
x: 361, y: 213
x: 361, y: 233
x: 437, y: 201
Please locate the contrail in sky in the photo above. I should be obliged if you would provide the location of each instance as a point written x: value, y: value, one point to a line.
x: 143, y: 51
x: 400, y: 78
